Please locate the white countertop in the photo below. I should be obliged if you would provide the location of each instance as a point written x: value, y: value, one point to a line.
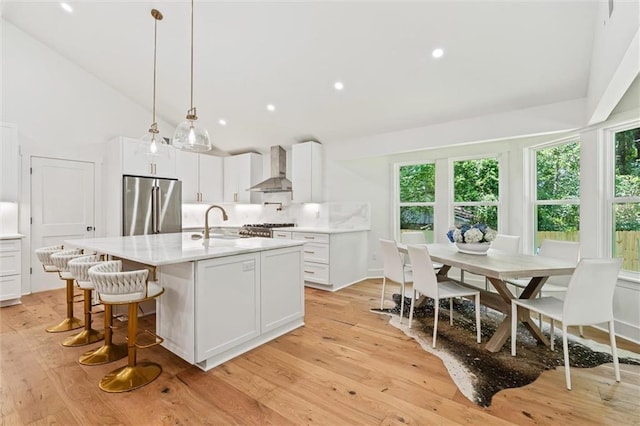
x: 166, y: 249
x: 11, y: 236
x: 321, y: 230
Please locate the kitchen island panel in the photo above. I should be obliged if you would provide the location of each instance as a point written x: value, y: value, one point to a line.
x: 281, y: 287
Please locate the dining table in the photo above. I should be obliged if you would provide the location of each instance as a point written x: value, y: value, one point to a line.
x: 499, y: 266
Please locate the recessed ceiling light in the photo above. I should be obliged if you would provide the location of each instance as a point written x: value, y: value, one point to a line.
x: 271, y: 107
x: 222, y: 122
x: 67, y: 7
x: 338, y: 85
x: 437, y: 53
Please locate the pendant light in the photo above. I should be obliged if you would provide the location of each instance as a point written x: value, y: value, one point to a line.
x: 152, y: 142
x: 188, y: 136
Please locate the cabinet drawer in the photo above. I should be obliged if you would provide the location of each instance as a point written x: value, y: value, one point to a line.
x: 316, y: 272
x: 283, y: 235
x: 9, y: 287
x: 307, y: 236
x: 316, y: 252
x: 9, y: 263
x: 9, y: 245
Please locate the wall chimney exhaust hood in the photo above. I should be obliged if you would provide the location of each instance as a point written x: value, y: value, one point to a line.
x: 278, y: 181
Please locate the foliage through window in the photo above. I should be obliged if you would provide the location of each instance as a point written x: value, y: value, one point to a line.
x: 626, y: 199
x: 557, y: 205
x: 417, y: 183
x: 476, y: 192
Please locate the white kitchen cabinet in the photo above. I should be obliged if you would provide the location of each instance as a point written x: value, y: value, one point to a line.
x: 333, y: 260
x: 241, y: 172
x: 282, y: 289
x: 9, y: 161
x: 306, y: 172
x: 135, y: 160
x: 283, y: 235
x: 234, y: 282
x: 10, y: 271
x: 201, y: 176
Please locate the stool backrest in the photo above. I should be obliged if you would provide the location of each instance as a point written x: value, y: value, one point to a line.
x: 79, y: 267
x: 61, y: 258
x: 44, y: 254
x: 108, y: 279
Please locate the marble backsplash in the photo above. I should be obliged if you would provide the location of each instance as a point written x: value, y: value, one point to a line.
x: 316, y: 215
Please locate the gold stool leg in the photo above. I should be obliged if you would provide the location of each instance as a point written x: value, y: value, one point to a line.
x: 70, y: 322
x: 108, y: 352
x: 134, y: 374
x: 88, y: 335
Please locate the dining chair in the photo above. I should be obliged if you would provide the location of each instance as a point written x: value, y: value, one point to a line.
x: 588, y: 301
x: 415, y: 237
x: 426, y: 283
x: 394, y: 271
x: 555, y: 249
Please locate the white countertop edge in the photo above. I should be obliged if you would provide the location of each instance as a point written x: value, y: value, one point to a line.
x: 167, y: 249
x: 322, y: 230
x: 15, y: 236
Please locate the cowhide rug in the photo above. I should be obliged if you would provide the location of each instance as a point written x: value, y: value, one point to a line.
x: 480, y: 374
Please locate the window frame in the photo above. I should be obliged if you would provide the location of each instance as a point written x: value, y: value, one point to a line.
x: 531, y: 220
x: 502, y: 187
x: 397, y: 204
x: 607, y: 150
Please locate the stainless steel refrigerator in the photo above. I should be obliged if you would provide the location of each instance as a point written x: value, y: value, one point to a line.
x: 151, y: 205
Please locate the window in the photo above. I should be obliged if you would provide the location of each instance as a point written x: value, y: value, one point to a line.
x: 557, y: 201
x: 625, y: 203
x: 476, y: 192
x: 416, y: 198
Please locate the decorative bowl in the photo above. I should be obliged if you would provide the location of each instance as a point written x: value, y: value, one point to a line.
x: 473, y: 248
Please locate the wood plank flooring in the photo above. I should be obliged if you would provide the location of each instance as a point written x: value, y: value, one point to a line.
x: 346, y: 366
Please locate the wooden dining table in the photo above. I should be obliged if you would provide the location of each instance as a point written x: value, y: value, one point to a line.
x: 499, y: 266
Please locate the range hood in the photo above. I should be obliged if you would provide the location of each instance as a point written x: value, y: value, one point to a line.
x: 278, y: 181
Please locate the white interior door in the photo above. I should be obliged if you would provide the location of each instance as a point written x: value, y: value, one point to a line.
x: 62, y: 208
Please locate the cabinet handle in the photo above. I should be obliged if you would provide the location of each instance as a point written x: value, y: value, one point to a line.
x: 155, y: 168
x: 309, y: 272
x: 310, y: 238
x: 150, y: 168
x: 235, y: 197
x: 310, y: 252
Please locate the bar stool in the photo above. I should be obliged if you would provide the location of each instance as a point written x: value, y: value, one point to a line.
x: 115, y: 287
x: 79, y: 268
x: 56, y: 261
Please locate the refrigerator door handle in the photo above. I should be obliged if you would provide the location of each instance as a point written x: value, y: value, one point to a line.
x: 156, y: 210
x: 154, y: 203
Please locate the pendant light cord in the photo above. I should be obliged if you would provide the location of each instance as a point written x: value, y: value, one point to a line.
x: 192, y: 55
x: 157, y: 16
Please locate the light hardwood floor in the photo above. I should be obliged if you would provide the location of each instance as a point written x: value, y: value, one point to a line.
x: 345, y: 366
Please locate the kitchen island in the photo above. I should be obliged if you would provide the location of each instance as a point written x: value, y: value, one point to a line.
x: 223, y: 297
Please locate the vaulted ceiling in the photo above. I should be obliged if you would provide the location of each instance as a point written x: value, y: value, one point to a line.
x: 498, y: 56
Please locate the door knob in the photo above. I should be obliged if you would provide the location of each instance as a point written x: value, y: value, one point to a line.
x: 90, y: 228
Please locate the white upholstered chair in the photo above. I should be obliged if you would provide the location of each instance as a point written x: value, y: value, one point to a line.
x: 116, y: 287
x: 588, y: 301
x: 415, y: 237
x: 59, y: 261
x: 44, y: 257
x: 426, y: 283
x: 394, y: 271
x: 79, y: 270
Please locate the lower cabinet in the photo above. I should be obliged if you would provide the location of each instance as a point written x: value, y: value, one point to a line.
x: 215, y: 309
x: 10, y: 272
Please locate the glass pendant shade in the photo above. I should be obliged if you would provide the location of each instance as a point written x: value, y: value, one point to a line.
x: 153, y: 144
x: 190, y: 137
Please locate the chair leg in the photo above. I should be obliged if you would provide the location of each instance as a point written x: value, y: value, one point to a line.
x: 134, y: 374
x: 108, y: 352
x: 70, y: 322
x: 614, y: 351
x: 462, y: 275
x: 478, y: 331
x: 451, y: 311
x: 551, y: 331
x: 581, y: 331
x: 435, y: 320
x: 413, y: 302
x: 384, y: 281
x: 88, y: 335
x: 514, y: 326
x: 401, y: 301
x: 565, y: 347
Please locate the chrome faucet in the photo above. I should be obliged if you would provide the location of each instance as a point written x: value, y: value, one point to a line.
x: 206, y: 219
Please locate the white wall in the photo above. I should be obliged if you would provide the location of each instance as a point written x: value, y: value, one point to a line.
x: 60, y: 111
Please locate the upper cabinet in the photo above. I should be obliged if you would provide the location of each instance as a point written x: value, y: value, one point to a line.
x: 241, y: 172
x: 306, y: 172
x: 135, y: 160
x: 201, y: 176
x: 9, y: 162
